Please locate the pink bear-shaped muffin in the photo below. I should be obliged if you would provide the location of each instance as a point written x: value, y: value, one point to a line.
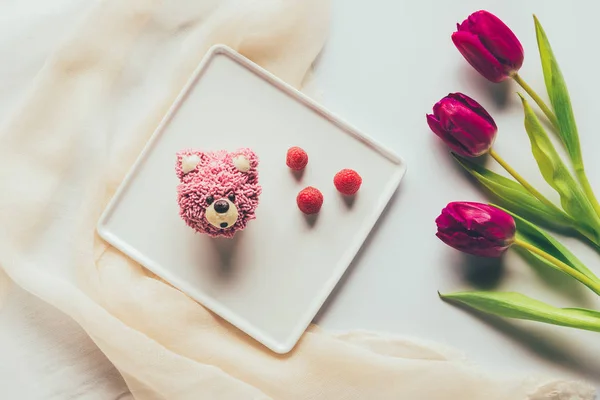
x: 219, y: 191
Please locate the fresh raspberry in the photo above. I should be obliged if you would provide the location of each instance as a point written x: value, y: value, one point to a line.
x: 296, y: 158
x: 310, y: 200
x: 347, y: 181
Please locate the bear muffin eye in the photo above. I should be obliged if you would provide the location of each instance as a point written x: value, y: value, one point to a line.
x: 209, y: 200
x: 231, y: 197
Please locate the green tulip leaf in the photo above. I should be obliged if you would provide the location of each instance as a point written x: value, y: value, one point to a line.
x: 584, y: 312
x: 514, y: 195
x: 533, y: 235
x: 556, y: 173
x: 559, y: 97
x: 516, y: 305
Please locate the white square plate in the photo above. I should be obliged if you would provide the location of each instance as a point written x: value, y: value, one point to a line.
x: 272, y: 278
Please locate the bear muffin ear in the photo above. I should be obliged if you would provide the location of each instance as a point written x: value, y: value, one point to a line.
x: 188, y: 162
x: 241, y: 163
x: 245, y: 161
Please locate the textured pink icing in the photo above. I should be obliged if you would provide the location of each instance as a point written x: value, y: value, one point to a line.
x: 217, y: 176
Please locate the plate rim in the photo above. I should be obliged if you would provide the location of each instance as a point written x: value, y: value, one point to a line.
x: 345, y: 260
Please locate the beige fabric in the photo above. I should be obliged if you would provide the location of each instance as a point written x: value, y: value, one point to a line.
x: 64, y: 151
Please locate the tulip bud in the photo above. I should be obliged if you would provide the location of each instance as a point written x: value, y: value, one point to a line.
x: 476, y: 228
x: 463, y: 125
x: 489, y: 46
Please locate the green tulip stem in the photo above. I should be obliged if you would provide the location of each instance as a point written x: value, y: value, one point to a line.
x: 545, y: 109
x: 525, y: 184
x: 594, y: 286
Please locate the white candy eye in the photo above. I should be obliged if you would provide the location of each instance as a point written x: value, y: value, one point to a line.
x: 241, y: 163
x: 189, y: 163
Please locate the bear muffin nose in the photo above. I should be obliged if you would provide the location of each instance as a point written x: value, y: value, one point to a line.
x: 221, y: 206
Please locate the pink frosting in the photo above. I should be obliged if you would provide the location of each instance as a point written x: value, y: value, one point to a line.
x: 217, y: 176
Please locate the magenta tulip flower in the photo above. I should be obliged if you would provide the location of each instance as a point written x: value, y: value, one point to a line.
x: 476, y: 228
x: 489, y: 46
x: 463, y: 125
